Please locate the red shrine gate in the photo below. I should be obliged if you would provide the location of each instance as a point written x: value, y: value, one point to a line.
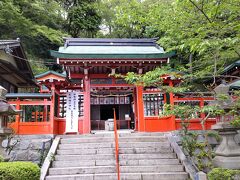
x: 88, y: 63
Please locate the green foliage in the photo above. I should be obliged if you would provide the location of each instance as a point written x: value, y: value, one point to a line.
x: 189, y: 143
x: 222, y: 174
x: 233, y: 108
x: 52, y: 157
x: 19, y: 171
x: 200, y: 152
x: 236, y: 122
x: 83, y: 20
x: 154, y: 78
x: 205, y: 34
x: 1, y: 159
x: 207, y: 30
x: 38, y: 24
x: 215, y: 135
x: 124, y: 18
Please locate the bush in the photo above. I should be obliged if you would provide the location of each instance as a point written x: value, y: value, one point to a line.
x: 19, y: 171
x: 236, y: 123
x: 222, y: 174
x: 1, y: 159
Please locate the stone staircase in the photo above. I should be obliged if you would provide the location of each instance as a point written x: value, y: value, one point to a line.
x: 142, y: 156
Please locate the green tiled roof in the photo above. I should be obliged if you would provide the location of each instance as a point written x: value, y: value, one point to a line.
x: 50, y: 72
x: 111, y: 48
x: 231, y: 66
x: 235, y: 85
x: 114, y: 56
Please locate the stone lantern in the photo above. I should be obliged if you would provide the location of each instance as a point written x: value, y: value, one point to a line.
x: 6, y: 110
x: 228, y: 152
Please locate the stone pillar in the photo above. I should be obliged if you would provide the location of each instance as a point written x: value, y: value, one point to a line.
x: 5, y: 110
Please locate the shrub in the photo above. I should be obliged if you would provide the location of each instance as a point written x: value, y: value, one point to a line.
x: 1, y: 159
x: 222, y: 174
x: 236, y: 123
x: 19, y: 171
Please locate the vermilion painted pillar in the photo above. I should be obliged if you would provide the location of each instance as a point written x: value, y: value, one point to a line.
x: 171, y: 99
x: 171, y: 94
x: 140, y: 107
x: 201, y: 104
x: 135, y: 110
x: 45, y: 111
x: 202, y: 115
x: 17, y: 116
x: 51, y: 116
x: 86, y: 107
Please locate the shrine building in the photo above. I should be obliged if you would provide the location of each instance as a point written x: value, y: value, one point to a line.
x: 82, y: 99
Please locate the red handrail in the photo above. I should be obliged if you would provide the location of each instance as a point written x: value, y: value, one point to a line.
x: 116, y: 145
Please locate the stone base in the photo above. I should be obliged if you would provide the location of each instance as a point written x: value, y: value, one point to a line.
x: 4, y: 131
x: 227, y: 162
x: 27, y: 147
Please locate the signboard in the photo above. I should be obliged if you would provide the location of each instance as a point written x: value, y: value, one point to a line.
x: 72, y: 112
x: 110, y: 100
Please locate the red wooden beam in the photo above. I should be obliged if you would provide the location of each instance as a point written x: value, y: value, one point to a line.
x: 27, y: 102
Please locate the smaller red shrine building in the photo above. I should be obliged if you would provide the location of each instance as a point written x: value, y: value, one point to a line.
x: 87, y: 89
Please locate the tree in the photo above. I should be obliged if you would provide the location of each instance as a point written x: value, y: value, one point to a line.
x: 38, y: 24
x: 205, y: 33
x: 124, y: 18
x: 83, y: 19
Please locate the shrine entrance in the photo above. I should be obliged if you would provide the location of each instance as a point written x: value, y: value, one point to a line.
x: 102, y: 111
x: 106, y: 111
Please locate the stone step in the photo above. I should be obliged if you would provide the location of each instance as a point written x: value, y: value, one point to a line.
x: 112, y: 156
x: 148, y: 162
x: 132, y: 162
x: 84, y: 157
x: 143, y: 139
x: 82, y: 170
x: 143, y: 156
x: 142, y: 150
x: 86, y: 146
x: 80, y: 151
x: 111, y: 145
x: 112, y: 169
x: 82, y: 163
x: 85, y: 136
x: 87, y: 140
x: 111, y: 139
x: 124, y: 176
x: 111, y: 134
x: 112, y: 151
x: 148, y: 169
x: 165, y: 176
x: 138, y: 134
x: 146, y: 156
x: 143, y: 144
x: 96, y: 135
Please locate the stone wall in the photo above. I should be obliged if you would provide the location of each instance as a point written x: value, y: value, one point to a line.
x: 27, y: 147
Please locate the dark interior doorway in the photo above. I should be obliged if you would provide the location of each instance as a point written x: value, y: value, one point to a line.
x: 106, y: 112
